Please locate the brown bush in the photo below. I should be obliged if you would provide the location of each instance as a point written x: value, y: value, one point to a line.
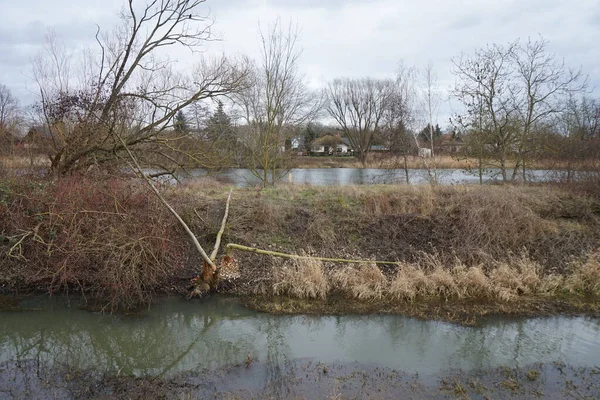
x: 107, y: 237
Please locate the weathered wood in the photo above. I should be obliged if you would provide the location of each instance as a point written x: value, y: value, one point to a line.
x: 215, y: 251
x: 233, y: 246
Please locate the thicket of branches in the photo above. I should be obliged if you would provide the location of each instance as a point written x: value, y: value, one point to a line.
x: 516, y: 98
x: 129, y: 88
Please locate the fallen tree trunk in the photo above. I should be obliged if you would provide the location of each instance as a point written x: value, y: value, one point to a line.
x: 136, y: 167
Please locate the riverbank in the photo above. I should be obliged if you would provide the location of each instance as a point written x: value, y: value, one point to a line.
x: 464, y: 312
x: 374, y: 161
x: 494, y: 248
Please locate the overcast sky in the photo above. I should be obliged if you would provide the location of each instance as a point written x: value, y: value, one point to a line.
x: 354, y: 38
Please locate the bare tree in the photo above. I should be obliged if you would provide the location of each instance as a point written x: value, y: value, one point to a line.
x: 430, y: 99
x: 430, y: 102
x: 576, y: 139
x: 485, y: 86
x: 9, y: 119
x: 358, y: 106
x: 544, y: 83
x: 276, y: 102
x: 399, y: 119
x: 511, y: 95
x: 126, y: 88
x: 124, y: 105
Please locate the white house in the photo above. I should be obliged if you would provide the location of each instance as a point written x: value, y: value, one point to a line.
x: 425, y: 153
x: 342, y: 148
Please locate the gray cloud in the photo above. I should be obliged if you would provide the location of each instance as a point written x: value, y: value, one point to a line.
x: 339, y: 37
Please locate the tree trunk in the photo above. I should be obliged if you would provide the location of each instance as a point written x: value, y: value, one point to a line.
x: 363, y: 157
x: 406, y: 169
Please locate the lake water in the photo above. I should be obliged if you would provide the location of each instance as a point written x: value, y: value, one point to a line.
x: 175, y: 336
x: 366, y: 176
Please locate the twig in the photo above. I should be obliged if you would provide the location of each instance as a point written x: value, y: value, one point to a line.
x: 198, y: 215
x: 18, y: 245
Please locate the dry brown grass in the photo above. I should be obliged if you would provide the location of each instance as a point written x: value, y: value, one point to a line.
x: 413, y: 281
x: 476, y: 224
x: 410, y: 282
x: 302, y: 278
x: 464, y: 242
x: 506, y: 281
x: 585, y: 276
x: 363, y: 282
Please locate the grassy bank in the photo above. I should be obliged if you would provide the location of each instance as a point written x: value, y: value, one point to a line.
x: 504, y: 246
x: 382, y: 161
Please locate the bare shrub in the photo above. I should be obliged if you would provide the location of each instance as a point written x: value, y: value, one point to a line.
x: 106, y: 237
x: 303, y: 278
x: 364, y: 282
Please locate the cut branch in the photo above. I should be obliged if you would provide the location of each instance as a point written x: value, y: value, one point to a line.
x: 233, y: 246
x: 185, y: 226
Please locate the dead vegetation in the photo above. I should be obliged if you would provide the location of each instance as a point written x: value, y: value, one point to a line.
x: 584, y: 277
x: 301, y: 278
x: 505, y: 281
x: 106, y: 238
x: 363, y: 282
x: 109, y: 238
x: 478, y: 226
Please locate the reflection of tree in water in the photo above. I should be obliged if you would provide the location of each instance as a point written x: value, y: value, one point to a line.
x: 178, y: 336
x: 278, y: 368
x: 513, y: 343
x: 155, y: 344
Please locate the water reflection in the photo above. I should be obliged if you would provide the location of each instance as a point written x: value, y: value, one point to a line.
x: 368, y: 176
x: 179, y: 336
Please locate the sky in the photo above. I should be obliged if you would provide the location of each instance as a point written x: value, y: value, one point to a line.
x: 339, y: 38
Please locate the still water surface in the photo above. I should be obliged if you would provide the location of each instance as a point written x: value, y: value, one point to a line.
x: 368, y: 176
x: 177, y: 336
